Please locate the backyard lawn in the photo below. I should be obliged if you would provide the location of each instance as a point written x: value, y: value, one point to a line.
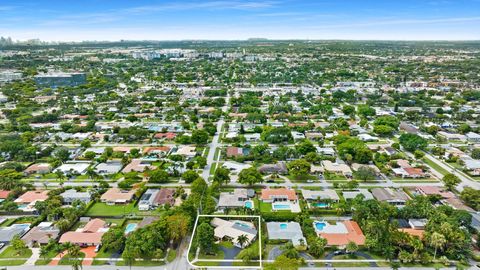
x: 65, y: 260
x: 103, y: 209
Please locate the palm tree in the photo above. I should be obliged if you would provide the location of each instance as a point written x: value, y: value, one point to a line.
x: 91, y: 173
x: 437, y: 240
x: 74, y: 252
x: 242, y: 240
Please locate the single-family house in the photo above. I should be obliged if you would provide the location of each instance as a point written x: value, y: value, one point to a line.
x: 339, y: 168
x: 109, y: 167
x: 8, y: 233
x: 71, y: 195
x: 138, y: 165
x: 73, y: 167
x: 232, y: 229
x: 390, y: 195
x: 320, y: 198
x: 26, y: 202
x: 340, y: 233
x: 291, y: 231
x: 350, y: 195
x: 271, y: 195
x: 90, y: 235
x: 41, y: 234
x: 240, y: 197
x: 473, y: 137
x: 117, y: 196
x: 278, y: 168
x: 40, y: 168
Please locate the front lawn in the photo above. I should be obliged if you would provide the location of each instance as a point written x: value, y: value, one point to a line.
x: 103, y: 209
x: 65, y: 260
x: 10, y: 253
x: 47, y: 259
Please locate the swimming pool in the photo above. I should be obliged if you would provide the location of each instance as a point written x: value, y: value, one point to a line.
x: 283, y: 226
x: 321, y: 205
x: 130, y: 228
x: 249, y: 204
x: 277, y: 206
x: 320, y: 225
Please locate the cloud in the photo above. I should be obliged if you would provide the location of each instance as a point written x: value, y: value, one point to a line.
x: 211, y: 5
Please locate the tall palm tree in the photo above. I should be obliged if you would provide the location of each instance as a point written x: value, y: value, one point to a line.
x: 74, y: 252
x: 437, y: 240
x: 242, y: 240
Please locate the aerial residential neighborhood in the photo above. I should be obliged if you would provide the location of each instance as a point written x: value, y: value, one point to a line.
x: 238, y: 153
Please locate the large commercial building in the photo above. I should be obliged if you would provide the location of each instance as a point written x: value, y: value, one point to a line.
x: 55, y: 80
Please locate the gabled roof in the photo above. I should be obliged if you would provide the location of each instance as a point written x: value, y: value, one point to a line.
x: 268, y: 193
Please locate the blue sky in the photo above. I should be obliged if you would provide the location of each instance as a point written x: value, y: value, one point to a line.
x: 69, y: 20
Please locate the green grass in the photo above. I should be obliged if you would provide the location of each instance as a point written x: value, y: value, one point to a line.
x: 217, y: 154
x: 12, y: 262
x: 48, y: 258
x: 172, y: 254
x: 219, y: 255
x: 226, y: 244
x: 264, y: 207
x: 65, y: 260
x: 102, y: 209
x: 142, y: 263
x: 8, y: 222
x: 10, y: 252
x: 435, y: 166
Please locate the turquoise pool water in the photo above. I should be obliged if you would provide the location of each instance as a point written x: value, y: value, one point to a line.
x: 283, y: 226
x: 249, y: 204
x: 321, y: 205
x: 281, y: 206
x: 320, y: 225
x: 130, y: 227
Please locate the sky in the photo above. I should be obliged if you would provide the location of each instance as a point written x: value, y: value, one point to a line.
x: 78, y: 20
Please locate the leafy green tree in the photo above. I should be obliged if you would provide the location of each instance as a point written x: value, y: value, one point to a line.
x: 282, y: 262
x: 306, y: 147
x: 18, y: 245
x: 412, y: 142
x: 177, y: 226
x: 200, y: 136
x: 114, y: 239
x: 158, y: 176
x: 299, y: 168
x: 290, y: 251
x: 190, y: 176
x: 351, y: 247
x: 451, y: 181
x: 476, y: 153
x: 242, y: 240
x: 221, y: 175
x: 437, y: 241
x: 206, y: 238
x: 365, y: 173
x: 316, y: 246
x: 250, y: 176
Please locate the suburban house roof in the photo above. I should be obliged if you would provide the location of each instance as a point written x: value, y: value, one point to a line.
x: 168, y: 135
x: 165, y: 196
x: 32, y: 196
x: 118, y: 195
x: 329, y: 194
x: 4, y: 194
x: 388, y: 194
x: 268, y: 193
x: 336, y: 167
x: 156, y: 149
x: 233, y: 229
x: 236, y: 198
x: 91, y: 234
x: 353, y: 194
x: 41, y: 234
x: 431, y: 190
x: 285, y: 231
x: 39, y: 167
x: 350, y: 232
x: 233, y: 151
x: 137, y: 165
x: 279, y: 167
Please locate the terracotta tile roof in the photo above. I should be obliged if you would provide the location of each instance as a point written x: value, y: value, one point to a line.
x: 4, y: 194
x: 116, y: 194
x: 168, y: 135
x: 94, y: 225
x: 354, y: 234
x: 268, y: 193
x: 81, y: 238
x: 413, y: 232
x: 233, y: 151
x: 431, y: 190
x: 31, y: 196
x: 156, y: 149
x: 414, y: 171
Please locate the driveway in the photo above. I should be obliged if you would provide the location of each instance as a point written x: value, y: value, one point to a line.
x: 229, y: 254
x: 89, y: 255
x: 274, y: 253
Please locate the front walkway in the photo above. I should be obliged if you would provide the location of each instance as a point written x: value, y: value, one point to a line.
x: 35, y: 256
x: 89, y: 255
